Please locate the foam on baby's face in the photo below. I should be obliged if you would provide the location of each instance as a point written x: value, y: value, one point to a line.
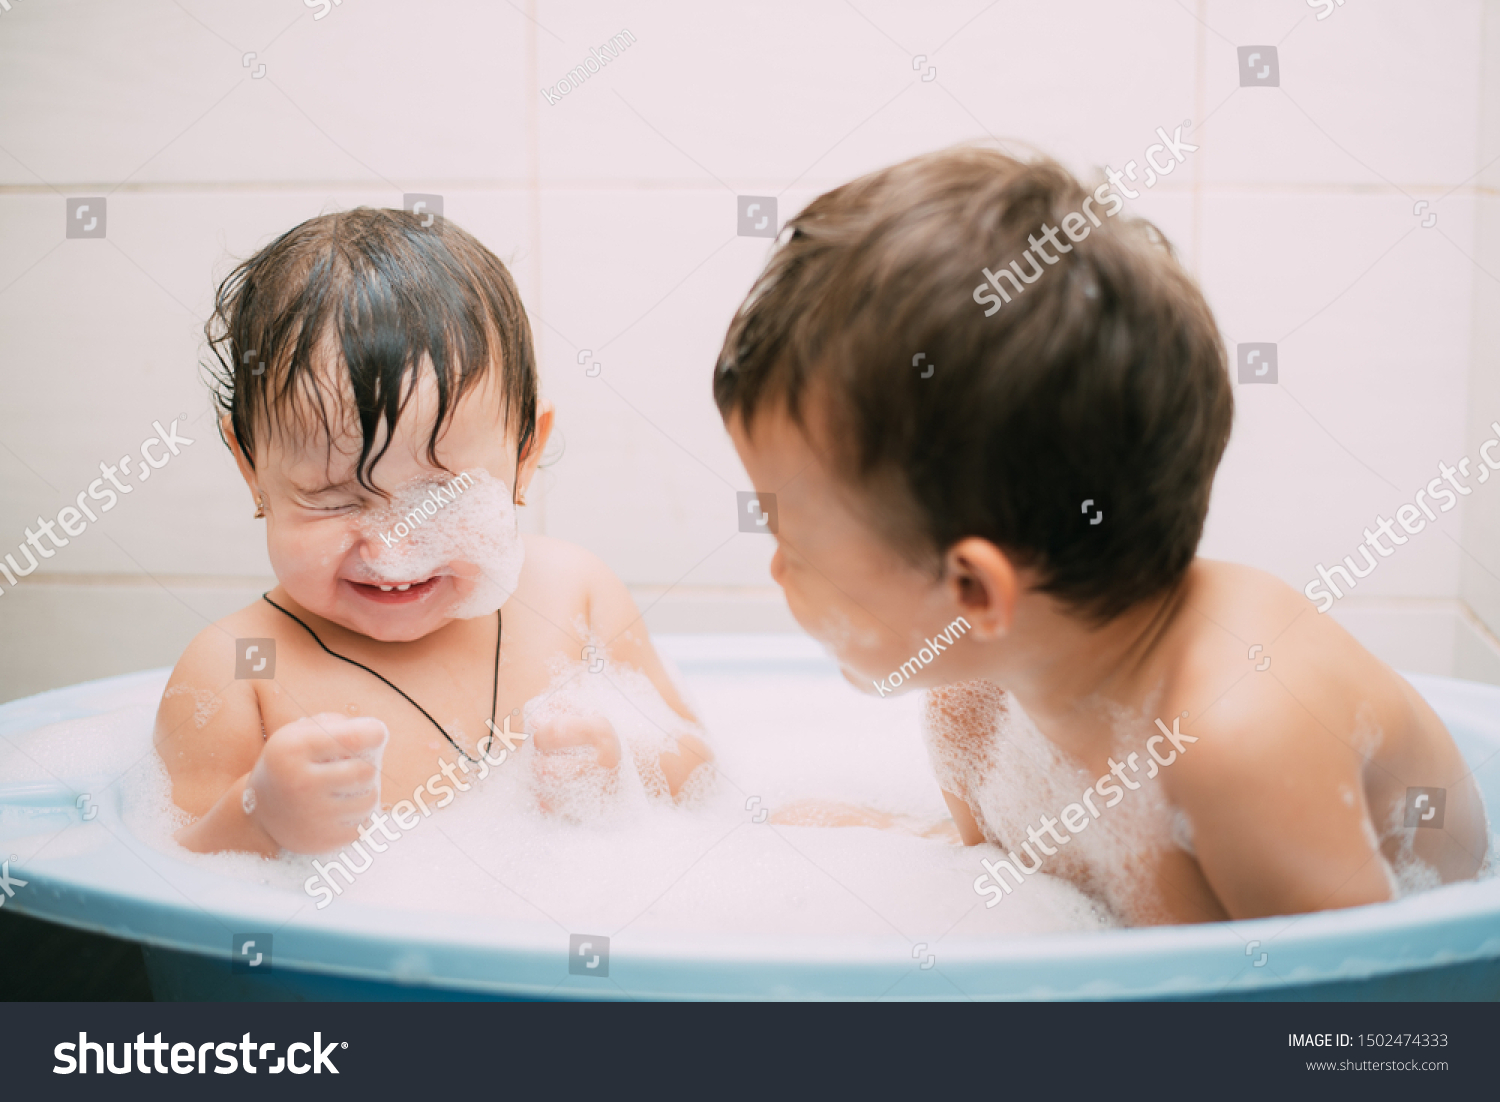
x: 463, y: 527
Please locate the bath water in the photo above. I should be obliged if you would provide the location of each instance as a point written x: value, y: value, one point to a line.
x: 610, y: 857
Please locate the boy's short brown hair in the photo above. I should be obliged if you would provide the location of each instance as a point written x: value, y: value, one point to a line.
x: 1102, y: 376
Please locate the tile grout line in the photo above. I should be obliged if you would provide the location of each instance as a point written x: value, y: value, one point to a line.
x: 534, y: 203
x: 1200, y: 98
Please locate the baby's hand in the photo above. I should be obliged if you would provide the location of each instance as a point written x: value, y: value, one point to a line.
x: 315, y: 781
x: 574, y: 732
x: 564, y: 762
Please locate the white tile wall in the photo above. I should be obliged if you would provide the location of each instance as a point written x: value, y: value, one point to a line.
x: 1379, y: 94
x: 158, y: 92
x: 616, y: 208
x: 1371, y: 319
x: 1480, y: 564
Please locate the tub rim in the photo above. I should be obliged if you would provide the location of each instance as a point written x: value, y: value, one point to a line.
x: 1452, y: 924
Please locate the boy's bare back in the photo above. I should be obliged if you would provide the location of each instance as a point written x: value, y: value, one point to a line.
x: 1289, y: 790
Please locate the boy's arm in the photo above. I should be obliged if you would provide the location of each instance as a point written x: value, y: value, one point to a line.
x: 958, y: 723
x: 613, y: 617
x: 1278, y: 815
x: 963, y: 818
x: 959, y: 711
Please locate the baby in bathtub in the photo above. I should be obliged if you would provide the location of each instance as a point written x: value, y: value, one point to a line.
x: 989, y: 416
x: 379, y: 393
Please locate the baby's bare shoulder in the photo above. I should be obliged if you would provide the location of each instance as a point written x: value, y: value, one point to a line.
x: 209, y: 705
x: 558, y: 560
x: 562, y: 576
x: 211, y: 655
x: 569, y: 585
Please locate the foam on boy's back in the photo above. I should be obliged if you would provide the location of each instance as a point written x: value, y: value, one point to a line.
x: 985, y: 748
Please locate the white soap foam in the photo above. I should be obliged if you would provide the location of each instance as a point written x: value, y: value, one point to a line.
x: 618, y: 854
x: 984, y: 748
x: 464, y: 527
x: 1409, y: 874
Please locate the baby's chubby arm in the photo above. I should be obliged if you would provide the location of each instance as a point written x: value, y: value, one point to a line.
x: 613, y: 618
x: 309, y: 789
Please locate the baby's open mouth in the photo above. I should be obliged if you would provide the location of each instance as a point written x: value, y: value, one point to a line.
x: 391, y: 593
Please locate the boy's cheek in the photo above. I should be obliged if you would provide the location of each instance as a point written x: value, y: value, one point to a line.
x: 857, y: 639
x: 856, y: 649
x: 821, y: 619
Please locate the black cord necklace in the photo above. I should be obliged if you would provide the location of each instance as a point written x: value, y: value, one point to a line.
x: 484, y: 744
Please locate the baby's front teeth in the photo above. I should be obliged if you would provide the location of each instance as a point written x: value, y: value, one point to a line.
x: 386, y: 588
x: 403, y: 588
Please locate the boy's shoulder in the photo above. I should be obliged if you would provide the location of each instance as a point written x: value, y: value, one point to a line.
x: 1264, y: 736
x: 1234, y: 618
x: 1262, y: 679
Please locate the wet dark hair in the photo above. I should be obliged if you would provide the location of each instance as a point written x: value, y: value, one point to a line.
x: 1102, y: 377
x: 387, y: 293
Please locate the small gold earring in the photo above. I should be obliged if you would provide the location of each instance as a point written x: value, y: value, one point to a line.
x: 260, y: 507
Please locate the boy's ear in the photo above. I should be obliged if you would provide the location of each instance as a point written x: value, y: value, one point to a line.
x: 983, y: 584
x: 226, y: 430
x: 539, y: 438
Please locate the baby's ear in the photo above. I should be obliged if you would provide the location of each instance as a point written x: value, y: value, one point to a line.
x: 538, y: 443
x: 545, y: 413
x: 226, y: 433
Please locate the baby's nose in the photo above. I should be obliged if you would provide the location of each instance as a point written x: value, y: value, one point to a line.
x: 373, y: 547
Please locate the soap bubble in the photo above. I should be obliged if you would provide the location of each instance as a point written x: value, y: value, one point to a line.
x: 463, y: 527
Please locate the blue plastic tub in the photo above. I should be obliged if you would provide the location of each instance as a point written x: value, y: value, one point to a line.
x: 1442, y: 944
